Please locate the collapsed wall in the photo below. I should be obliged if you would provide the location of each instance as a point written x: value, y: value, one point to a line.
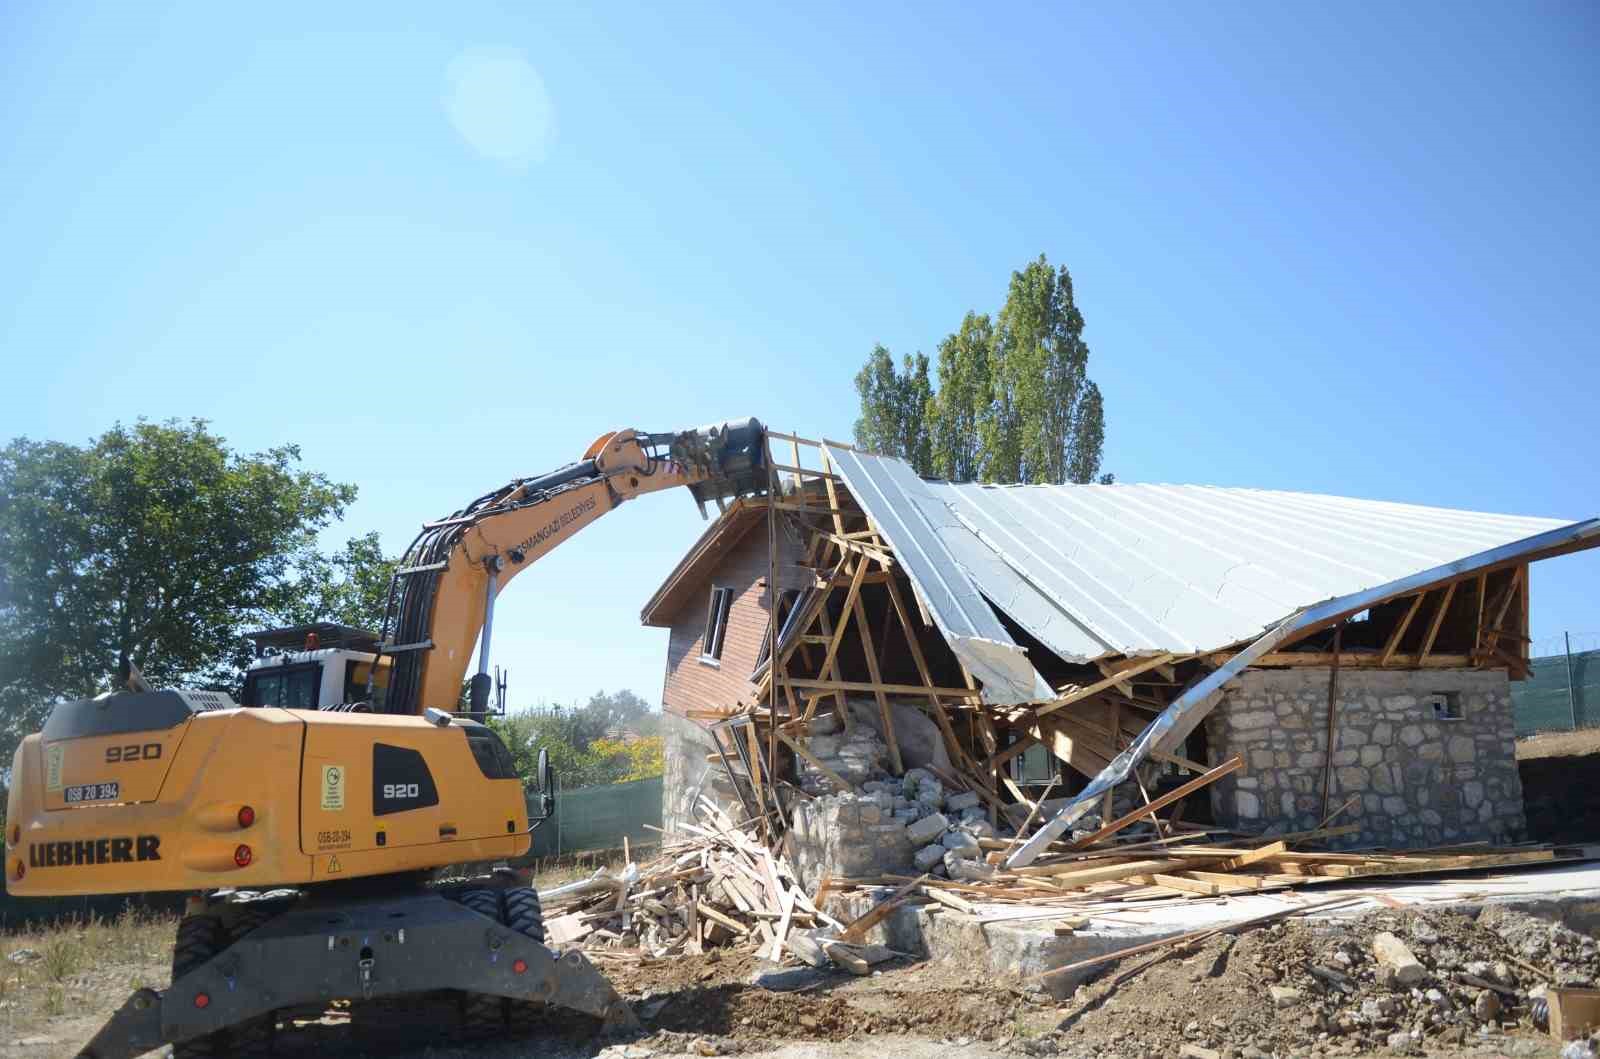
x: 1428, y: 754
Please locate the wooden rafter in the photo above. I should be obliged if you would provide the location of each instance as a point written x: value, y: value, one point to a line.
x: 1438, y: 620
x: 957, y: 753
x: 1393, y: 643
x: 864, y: 629
x: 1071, y: 694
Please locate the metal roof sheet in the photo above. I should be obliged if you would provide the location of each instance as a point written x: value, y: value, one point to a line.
x: 1094, y: 571
x: 922, y: 531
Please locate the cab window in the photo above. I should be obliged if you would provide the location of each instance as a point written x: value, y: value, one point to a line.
x: 293, y: 687
x: 355, y: 685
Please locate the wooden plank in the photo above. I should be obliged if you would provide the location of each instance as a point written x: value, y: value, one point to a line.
x: 1233, y: 764
x: 950, y: 900
x: 717, y: 917
x: 1188, y: 885
x: 1072, y: 874
x: 1080, y: 693
x: 861, y: 924
x: 1400, y: 629
x: 781, y: 932
x: 1195, y: 935
x: 1266, y: 852
x: 1226, y: 879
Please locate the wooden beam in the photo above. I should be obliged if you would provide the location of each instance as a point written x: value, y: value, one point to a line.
x: 1078, y: 694
x: 833, y: 494
x: 873, y: 916
x: 845, y: 615
x: 1350, y: 660
x: 1019, y: 747
x: 864, y: 629
x: 958, y: 753
x: 833, y: 777
x: 1438, y: 619
x: 1400, y: 629
x: 1233, y: 764
x: 892, y: 689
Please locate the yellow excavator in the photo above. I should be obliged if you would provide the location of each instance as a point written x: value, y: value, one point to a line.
x: 311, y: 821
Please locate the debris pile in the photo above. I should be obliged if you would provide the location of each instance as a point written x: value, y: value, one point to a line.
x: 1412, y: 982
x: 716, y: 886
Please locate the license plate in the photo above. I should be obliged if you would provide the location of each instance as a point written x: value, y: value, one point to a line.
x: 93, y: 792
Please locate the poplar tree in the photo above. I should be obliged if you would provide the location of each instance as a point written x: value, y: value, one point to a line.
x: 1014, y: 401
x: 961, y: 398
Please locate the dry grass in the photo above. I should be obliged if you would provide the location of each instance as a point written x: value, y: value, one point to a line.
x: 53, y: 973
x: 570, y: 867
x: 1559, y: 744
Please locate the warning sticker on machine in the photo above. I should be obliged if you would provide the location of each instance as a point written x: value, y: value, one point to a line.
x: 333, y: 788
x: 54, y: 755
x: 334, y: 867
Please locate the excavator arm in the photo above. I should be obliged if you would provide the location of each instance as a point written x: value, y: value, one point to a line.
x: 443, y: 595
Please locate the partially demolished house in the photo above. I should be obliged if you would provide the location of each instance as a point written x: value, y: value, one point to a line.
x: 1059, y: 657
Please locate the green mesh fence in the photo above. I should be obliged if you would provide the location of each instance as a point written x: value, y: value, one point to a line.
x: 1542, y: 702
x: 599, y: 817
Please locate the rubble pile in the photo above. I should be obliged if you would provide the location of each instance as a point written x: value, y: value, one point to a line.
x: 1412, y: 983
x: 717, y: 886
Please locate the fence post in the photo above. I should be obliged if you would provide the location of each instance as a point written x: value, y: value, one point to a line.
x: 1572, y: 695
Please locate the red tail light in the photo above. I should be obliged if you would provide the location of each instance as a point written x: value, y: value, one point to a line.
x: 247, y: 816
x: 242, y: 856
x: 519, y: 966
x: 202, y: 1000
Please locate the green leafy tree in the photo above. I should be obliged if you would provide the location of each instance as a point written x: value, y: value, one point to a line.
x: 1014, y: 401
x: 963, y: 392
x: 581, y: 752
x: 623, y: 709
x: 350, y: 587
x: 156, y: 543
x: 878, y: 385
x: 1040, y: 374
x: 895, y: 408
x: 1087, y: 437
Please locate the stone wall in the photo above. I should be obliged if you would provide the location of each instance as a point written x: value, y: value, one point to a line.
x: 686, y: 774
x: 1423, y: 780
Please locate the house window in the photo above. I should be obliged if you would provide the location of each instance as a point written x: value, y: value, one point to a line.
x: 1034, y: 766
x: 716, y: 625
x: 1446, y: 705
x: 786, y: 602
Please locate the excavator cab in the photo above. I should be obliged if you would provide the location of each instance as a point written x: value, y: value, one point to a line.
x: 322, y: 665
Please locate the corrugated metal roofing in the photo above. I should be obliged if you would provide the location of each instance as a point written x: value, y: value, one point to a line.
x: 922, y: 530
x: 1102, y: 570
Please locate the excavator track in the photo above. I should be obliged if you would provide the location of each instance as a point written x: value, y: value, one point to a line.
x: 482, y: 943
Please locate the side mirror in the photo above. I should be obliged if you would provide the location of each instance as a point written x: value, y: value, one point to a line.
x: 547, y: 784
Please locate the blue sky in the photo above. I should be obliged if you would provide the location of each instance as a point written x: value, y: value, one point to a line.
x: 1340, y: 248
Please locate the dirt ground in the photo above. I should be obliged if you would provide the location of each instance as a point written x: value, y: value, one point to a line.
x: 1560, y: 774
x: 60, y: 984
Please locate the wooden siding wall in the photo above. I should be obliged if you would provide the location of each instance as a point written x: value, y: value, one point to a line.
x: 693, y: 683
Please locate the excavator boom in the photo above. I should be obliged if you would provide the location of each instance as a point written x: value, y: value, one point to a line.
x: 443, y: 594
